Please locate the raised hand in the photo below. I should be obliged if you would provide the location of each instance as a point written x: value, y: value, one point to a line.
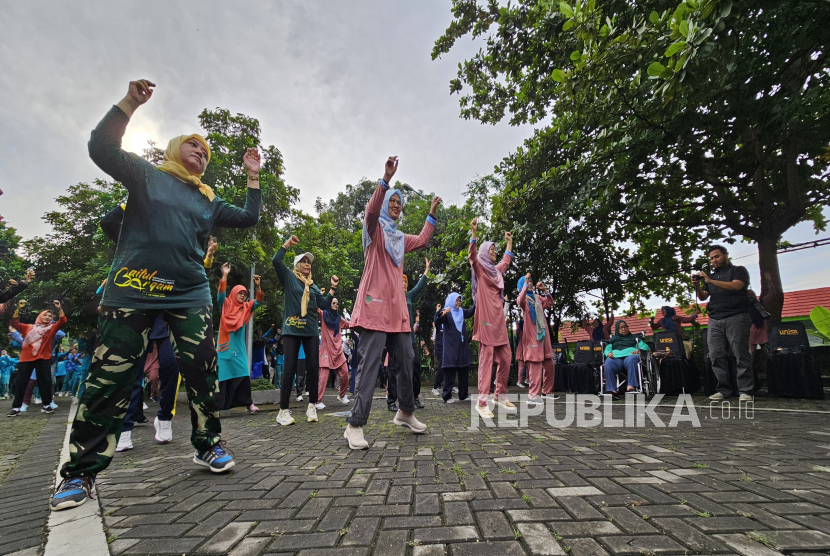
x: 21, y: 303
x: 335, y: 281
x: 140, y: 91
x: 251, y: 160
x: 226, y: 269
x: 426, y: 270
x: 29, y: 276
x: 508, y: 235
x: 434, y: 205
x: 291, y: 242
x: 256, y: 280
x: 437, y: 307
x: 390, y: 169
x: 528, y: 280
x: 13, y: 283
x: 57, y: 304
x: 212, y: 247
x: 445, y: 311
x: 474, y: 224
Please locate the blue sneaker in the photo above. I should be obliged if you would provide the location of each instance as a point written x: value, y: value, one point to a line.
x: 72, y: 492
x: 217, y: 459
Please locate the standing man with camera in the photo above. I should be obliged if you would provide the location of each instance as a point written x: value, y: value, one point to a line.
x: 729, y: 321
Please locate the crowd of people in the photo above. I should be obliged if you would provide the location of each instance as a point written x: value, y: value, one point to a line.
x: 156, y: 319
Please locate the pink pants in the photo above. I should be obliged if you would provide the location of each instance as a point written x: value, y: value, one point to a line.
x: 541, y: 376
x: 486, y: 356
x: 342, y: 371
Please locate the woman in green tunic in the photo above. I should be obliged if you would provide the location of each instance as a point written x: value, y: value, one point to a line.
x: 231, y: 352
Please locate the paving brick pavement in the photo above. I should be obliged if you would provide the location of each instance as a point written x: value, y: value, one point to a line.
x: 26, y: 489
x: 733, y: 486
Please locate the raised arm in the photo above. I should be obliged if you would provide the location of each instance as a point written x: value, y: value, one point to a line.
x: 105, y: 142
x: 283, y: 272
x: 221, y: 291
x: 416, y: 290
x: 231, y: 216
x: 504, y: 264
x: 411, y: 243
x: 324, y: 301
x: 376, y: 202
x: 521, y: 301
x: 15, y: 288
x: 61, y: 316
x: 470, y: 312
x: 111, y: 223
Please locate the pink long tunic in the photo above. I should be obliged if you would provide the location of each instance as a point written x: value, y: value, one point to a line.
x: 488, y: 323
x: 381, y: 301
x: 331, y: 345
x: 533, y: 349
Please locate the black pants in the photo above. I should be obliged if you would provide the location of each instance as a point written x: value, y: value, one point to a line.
x: 43, y: 373
x: 59, y: 383
x: 463, y: 382
x: 392, y: 388
x: 311, y: 346
x: 301, y: 375
x: 439, y: 372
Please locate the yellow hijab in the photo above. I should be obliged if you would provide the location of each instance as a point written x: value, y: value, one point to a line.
x: 307, y: 280
x: 172, y: 163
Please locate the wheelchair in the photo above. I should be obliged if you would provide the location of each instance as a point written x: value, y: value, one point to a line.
x: 678, y: 375
x: 647, y: 374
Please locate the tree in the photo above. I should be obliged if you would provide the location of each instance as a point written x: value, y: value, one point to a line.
x: 678, y: 123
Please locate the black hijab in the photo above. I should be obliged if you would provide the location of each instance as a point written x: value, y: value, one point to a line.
x: 332, y: 319
x: 623, y: 341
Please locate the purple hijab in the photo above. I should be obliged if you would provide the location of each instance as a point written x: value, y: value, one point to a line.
x: 489, y: 269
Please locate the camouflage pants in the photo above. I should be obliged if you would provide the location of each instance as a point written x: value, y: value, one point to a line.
x: 123, y: 339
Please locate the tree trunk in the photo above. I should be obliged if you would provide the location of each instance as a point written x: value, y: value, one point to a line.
x: 772, y: 292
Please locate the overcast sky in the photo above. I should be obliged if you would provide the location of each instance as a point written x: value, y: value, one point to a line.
x: 336, y: 86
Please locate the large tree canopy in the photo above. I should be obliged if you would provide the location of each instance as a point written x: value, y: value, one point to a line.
x: 670, y: 123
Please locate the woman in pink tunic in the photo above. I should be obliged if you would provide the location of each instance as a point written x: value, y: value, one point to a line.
x: 489, y: 328
x: 380, y: 314
x: 536, y: 345
x: 331, y: 352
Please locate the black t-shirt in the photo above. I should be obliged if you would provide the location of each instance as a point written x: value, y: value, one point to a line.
x: 724, y: 303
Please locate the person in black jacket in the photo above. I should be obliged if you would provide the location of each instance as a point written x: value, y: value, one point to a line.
x: 456, y: 344
x: 16, y: 287
x: 439, y: 351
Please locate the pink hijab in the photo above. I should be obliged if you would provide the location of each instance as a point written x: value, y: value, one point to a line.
x: 489, y: 269
x: 37, y: 332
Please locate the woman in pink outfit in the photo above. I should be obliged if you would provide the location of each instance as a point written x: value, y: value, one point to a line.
x: 489, y: 328
x: 536, y: 345
x: 380, y: 313
x: 331, y: 352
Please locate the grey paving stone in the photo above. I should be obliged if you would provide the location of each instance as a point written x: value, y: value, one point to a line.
x: 335, y: 519
x: 490, y: 548
x: 539, y: 540
x: 299, y: 541
x: 655, y: 544
x: 689, y: 536
x: 494, y: 526
x: 427, y: 504
x: 119, y: 545
x: 283, y: 526
x: 412, y: 522
x: 539, y: 515
x: 212, y: 524
x: 163, y: 546
x: 586, y: 547
x: 224, y: 540
x: 585, y: 528
x: 350, y: 551
x: 795, y: 540
x: 154, y: 531
x: 250, y: 546
x: 361, y: 531
x: 444, y: 534
x: 579, y: 508
x: 391, y: 543
x: 458, y: 513
x: 723, y: 524
x: 629, y: 521
x: 745, y: 546
x: 429, y: 550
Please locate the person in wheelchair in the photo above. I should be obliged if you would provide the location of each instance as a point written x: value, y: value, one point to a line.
x: 623, y: 355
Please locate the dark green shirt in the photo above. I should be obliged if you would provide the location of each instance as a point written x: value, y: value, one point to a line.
x: 159, y: 261
x: 293, y: 323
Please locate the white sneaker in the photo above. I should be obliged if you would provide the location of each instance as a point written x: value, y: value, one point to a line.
x: 284, y: 417
x: 299, y: 398
x: 717, y: 397
x: 53, y: 405
x: 484, y: 411
x: 354, y: 435
x: 164, y: 430
x: 311, y: 413
x: 146, y: 406
x: 125, y: 442
x: 436, y: 392
x: 344, y: 399
x: 410, y: 422
x: 305, y: 393
x: 521, y: 384
x: 505, y: 403
x: 451, y: 400
x: 38, y: 401
x: 23, y: 408
x: 746, y: 398
x: 454, y: 390
x: 320, y: 405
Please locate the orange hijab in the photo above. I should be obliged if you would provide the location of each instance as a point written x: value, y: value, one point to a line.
x: 234, y: 315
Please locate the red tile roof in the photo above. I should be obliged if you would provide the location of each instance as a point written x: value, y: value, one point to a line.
x: 796, y: 304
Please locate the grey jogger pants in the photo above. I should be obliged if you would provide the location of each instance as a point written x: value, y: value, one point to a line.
x: 370, y: 349
x: 731, y: 333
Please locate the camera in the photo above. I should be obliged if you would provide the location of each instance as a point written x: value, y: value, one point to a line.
x: 696, y: 277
